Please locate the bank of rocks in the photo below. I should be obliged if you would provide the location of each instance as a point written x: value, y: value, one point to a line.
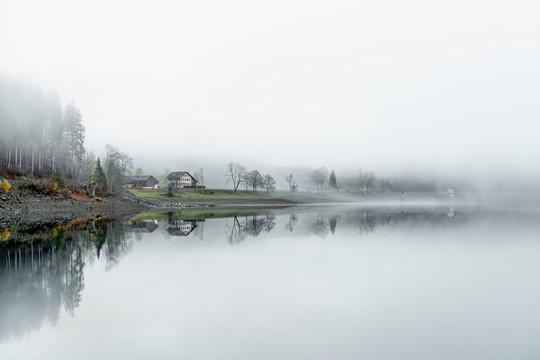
x: 28, y: 207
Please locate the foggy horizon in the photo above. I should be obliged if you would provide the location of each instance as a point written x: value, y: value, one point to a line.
x: 259, y: 180
x: 419, y: 89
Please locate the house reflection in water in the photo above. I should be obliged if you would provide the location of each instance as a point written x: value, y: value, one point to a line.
x: 181, y: 227
x: 142, y: 226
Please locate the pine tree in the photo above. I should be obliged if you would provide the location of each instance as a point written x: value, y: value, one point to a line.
x: 58, y: 177
x: 74, y: 133
x: 100, y: 179
x: 333, y: 182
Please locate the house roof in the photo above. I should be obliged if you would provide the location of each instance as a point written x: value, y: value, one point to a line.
x: 144, y: 226
x: 128, y: 179
x: 179, y: 174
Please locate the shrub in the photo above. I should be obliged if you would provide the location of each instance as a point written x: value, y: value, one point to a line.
x: 58, y: 177
x: 6, y: 186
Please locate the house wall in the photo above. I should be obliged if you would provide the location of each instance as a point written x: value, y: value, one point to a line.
x: 186, y: 180
x: 151, y: 183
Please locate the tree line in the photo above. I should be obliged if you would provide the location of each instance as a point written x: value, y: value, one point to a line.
x: 46, y: 270
x: 321, y: 179
x: 237, y: 175
x: 40, y: 138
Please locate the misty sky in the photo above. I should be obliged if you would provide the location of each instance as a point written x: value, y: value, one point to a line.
x: 444, y: 85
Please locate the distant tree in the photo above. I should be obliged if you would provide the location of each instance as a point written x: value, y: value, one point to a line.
x: 254, y: 179
x: 320, y: 177
x: 32, y: 133
x: 87, y: 167
x: 100, y: 179
x: 117, y: 165
x: 366, y: 181
x: 245, y: 180
x: 58, y: 177
x: 235, y: 174
x: 74, y: 135
x: 269, y: 183
x: 91, y: 180
x: 199, y: 176
x: 291, y: 183
x: 138, y: 173
x: 166, y: 173
x: 332, y: 182
x: 170, y: 192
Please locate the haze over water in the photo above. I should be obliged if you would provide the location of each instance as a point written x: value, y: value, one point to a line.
x: 309, y: 283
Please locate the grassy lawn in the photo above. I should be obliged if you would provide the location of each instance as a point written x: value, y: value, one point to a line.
x: 300, y: 196
x: 198, y: 194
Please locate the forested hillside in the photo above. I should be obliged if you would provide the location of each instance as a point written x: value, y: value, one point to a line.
x: 39, y: 138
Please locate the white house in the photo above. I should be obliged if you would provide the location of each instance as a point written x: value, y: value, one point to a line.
x: 181, y: 179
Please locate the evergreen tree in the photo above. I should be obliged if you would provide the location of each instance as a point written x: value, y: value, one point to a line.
x: 100, y: 179
x: 58, y: 177
x: 332, y: 182
x: 74, y: 132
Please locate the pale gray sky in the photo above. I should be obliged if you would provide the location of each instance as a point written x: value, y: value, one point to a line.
x: 449, y: 85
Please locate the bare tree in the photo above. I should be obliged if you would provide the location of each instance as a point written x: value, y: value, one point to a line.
x: 87, y: 166
x: 269, y: 183
x: 290, y: 181
x: 254, y: 179
x: 366, y: 181
x: 245, y: 180
x: 199, y: 176
x: 117, y: 165
x: 164, y: 175
x: 235, y: 174
x: 320, y: 177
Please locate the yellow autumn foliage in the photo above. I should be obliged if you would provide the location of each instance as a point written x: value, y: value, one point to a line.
x: 6, y: 186
x: 5, y: 234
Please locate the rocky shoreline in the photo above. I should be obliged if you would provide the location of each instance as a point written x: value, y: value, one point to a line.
x: 41, y: 208
x: 35, y: 208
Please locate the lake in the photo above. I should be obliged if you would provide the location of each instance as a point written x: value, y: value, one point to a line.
x: 340, y: 282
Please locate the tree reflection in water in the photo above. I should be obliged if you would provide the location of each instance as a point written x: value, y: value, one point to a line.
x: 292, y: 220
x: 366, y: 222
x: 249, y: 225
x: 42, y: 271
x: 42, y: 266
x: 319, y: 224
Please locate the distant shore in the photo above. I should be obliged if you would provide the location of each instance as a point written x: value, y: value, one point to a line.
x: 36, y: 207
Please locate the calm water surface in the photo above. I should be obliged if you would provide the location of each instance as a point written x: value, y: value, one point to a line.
x: 316, y: 283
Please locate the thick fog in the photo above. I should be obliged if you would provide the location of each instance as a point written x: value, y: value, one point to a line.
x: 437, y: 88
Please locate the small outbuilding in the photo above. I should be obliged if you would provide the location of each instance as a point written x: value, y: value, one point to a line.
x: 144, y: 182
